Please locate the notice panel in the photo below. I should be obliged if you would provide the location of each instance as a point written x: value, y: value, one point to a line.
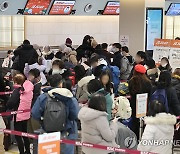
x: 62, y: 7
x: 112, y: 8
x: 36, y: 7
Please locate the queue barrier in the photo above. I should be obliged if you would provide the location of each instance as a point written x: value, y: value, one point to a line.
x: 77, y: 143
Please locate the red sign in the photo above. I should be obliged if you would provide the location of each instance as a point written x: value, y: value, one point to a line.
x: 112, y: 8
x: 62, y: 7
x: 38, y: 7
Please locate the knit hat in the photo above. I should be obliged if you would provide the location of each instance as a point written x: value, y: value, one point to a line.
x: 140, y: 69
x: 68, y: 41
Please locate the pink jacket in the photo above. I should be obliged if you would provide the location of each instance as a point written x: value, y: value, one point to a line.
x: 25, y: 101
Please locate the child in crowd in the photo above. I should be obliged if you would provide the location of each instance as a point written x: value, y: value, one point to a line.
x: 95, y: 126
x: 159, y: 128
x: 7, y: 63
x: 165, y: 65
x: 139, y: 59
x: 106, y: 81
x: 21, y: 99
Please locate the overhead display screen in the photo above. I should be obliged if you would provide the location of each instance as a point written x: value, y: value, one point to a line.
x: 36, y: 7
x: 154, y: 23
x: 174, y: 9
x: 112, y: 8
x: 62, y: 7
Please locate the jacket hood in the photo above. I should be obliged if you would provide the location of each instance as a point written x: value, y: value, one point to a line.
x: 85, y: 80
x: 161, y: 119
x: 28, y: 47
x: 175, y: 80
x: 88, y: 114
x: 60, y: 91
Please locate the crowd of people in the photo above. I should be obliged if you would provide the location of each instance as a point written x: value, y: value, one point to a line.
x: 78, y: 89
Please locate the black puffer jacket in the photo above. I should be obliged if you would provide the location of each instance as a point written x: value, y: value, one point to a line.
x: 176, y: 84
x: 23, y: 54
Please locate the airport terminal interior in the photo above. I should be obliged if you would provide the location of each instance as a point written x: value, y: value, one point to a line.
x: 89, y: 76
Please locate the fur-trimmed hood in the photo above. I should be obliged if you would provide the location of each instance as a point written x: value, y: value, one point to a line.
x: 61, y: 91
x: 46, y: 53
x: 73, y: 52
x: 85, y: 80
x: 161, y: 119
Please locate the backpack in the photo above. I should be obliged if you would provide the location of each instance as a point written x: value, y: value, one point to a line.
x: 115, y: 76
x: 123, y: 88
x: 54, y: 115
x: 124, y: 109
x: 160, y: 95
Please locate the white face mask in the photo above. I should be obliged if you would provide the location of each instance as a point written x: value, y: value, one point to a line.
x: 163, y: 65
x: 55, y: 71
x: 114, y: 50
x: 11, y: 56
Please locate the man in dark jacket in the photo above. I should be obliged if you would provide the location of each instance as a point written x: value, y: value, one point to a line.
x: 117, y: 55
x: 106, y: 53
x: 72, y: 109
x: 22, y: 55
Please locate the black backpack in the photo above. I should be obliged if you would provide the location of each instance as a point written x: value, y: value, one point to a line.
x: 54, y: 115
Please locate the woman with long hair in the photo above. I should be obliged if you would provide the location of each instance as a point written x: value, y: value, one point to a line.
x: 138, y: 84
x: 106, y: 81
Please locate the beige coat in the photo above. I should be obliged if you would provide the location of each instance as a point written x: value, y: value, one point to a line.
x: 97, y: 130
x: 72, y: 57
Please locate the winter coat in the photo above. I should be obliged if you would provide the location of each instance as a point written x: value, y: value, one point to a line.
x: 109, y: 102
x: 81, y: 92
x: 107, y: 55
x: 66, y: 97
x: 176, y: 84
x: 41, y: 68
x: 36, y: 92
x: 72, y: 57
x: 97, y: 130
x: 2, y: 124
x: 21, y: 99
x: 126, y: 67
x: 23, y: 54
x: 160, y: 130
x: 6, y: 62
x: 117, y: 59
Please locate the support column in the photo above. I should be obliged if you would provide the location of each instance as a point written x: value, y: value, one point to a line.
x: 133, y: 21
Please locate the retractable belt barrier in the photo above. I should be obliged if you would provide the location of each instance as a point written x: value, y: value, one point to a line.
x: 5, y: 93
x: 77, y: 143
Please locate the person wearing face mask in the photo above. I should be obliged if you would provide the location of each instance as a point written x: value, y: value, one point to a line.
x: 165, y: 65
x: 7, y: 63
x: 117, y: 55
x: 58, y: 67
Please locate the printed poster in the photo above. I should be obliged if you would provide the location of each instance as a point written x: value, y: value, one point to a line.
x: 49, y: 143
x: 141, y: 105
x: 174, y: 56
x: 161, y: 49
x: 112, y: 8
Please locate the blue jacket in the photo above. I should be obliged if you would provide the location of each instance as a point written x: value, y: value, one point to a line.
x: 65, y: 96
